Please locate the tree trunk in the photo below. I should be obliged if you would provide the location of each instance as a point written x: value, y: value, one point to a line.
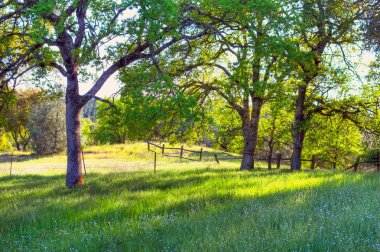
x: 247, y: 162
x: 298, y: 132
x: 270, y: 153
x: 250, y: 133
x: 74, y: 174
x: 14, y: 136
x: 26, y: 143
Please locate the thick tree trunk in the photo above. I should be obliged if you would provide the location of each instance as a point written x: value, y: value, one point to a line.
x: 247, y: 162
x: 250, y: 133
x: 298, y: 132
x: 74, y: 174
x: 298, y: 138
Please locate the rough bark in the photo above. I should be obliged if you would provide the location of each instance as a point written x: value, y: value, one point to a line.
x: 247, y: 162
x: 298, y: 132
x: 74, y: 174
x: 250, y: 133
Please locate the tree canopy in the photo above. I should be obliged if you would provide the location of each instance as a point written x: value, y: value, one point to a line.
x: 174, y: 58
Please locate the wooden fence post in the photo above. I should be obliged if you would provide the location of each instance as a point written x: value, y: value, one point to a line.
x: 148, y: 145
x: 378, y: 161
x: 84, y: 164
x: 155, y: 161
x: 200, y: 155
x: 356, y: 164
x: 216, y: 158
x: 278, y: 154
x: 181, y: 152
x: 163, y: 149
x: 313, y: 161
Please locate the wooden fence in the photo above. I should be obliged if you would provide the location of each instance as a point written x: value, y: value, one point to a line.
x: 277, y: 160
x: 313, y: 161
x: 11, y: 158
x: 270, y: 160
x: 160, y: 149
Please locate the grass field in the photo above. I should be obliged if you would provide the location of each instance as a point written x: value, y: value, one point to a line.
x: 185, y: 206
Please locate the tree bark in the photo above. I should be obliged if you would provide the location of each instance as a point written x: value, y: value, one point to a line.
x: 74, y: 175
x: 298, y: 132
x: 250, y: 133
x: 247, y: 162
x: 270, y: 153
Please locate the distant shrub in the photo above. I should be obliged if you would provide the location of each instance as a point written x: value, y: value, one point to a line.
x: 5, y: 145
x: 370, y: 154
x: 46, y: 125
x: 86, y: 131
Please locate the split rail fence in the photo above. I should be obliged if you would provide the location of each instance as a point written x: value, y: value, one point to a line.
x: 11, y: 164
x: 179, y: 152
x: 276, y: 161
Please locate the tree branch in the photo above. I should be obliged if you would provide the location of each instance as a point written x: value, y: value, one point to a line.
x: 111, y: 104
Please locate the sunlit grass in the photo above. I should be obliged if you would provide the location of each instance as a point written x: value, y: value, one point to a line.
x: 188, y: 206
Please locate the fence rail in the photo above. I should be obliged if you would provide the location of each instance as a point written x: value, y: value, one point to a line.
x: 174, y: 155
x: 276, y: 161
x: 11, y: 163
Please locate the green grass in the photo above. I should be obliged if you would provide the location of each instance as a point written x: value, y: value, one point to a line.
x: 187, y: 206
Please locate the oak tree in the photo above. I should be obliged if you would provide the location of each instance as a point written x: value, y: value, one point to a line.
x: 71, y: 37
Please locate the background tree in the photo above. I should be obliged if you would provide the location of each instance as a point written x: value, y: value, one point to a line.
x: 371, y: 26
x: 16, y: 116
x: 110, y: 124
x: 46, y: 126
x: 275, y: 128
x: 151, y: 106
x: 87, y: 128
x: 226, y: 126
x: 5, y: 145
x: 253, y: 64
x: 323, y: 23
x: 334, y: 141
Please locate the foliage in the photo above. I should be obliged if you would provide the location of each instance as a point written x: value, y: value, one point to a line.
x: 46, y: 126
x: 87, y: 126
x: 226, y: 126
x: 275, y: 128
x: 150, y: 107
x: 244, y: 52
x: 5, y: 145
x: 333, y: 139
x: 371, y: 26
x: 70, y: 37
x: 109, y: 127
x: 16, y: 116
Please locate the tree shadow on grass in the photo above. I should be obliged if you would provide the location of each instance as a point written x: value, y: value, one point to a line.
x: 148, y: 219
x: 222, y: 218
x: 25, y: 182
x: 103, y: 185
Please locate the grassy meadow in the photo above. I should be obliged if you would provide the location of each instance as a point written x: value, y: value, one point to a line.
x: 185, y: 206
